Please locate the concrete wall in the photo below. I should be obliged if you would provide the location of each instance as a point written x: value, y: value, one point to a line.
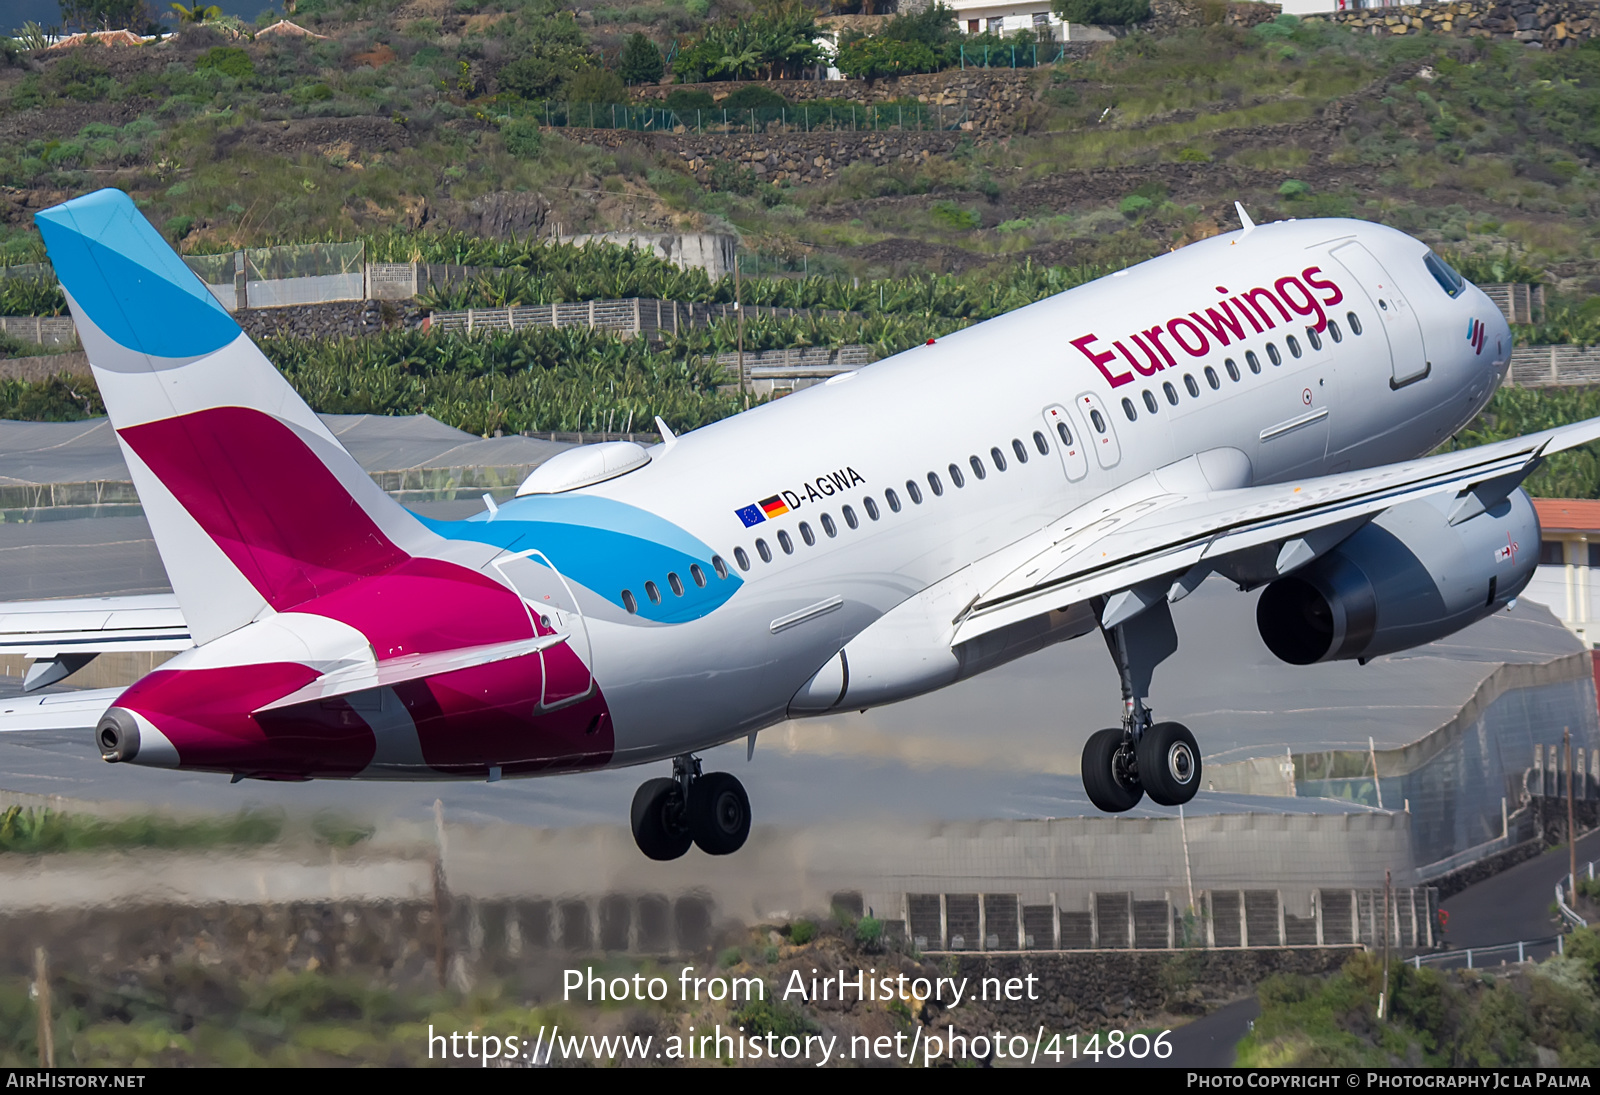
x: 708, y: 251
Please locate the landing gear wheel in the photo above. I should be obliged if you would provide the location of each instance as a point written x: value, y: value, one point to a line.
x: 719, y: 813
x: 659, y: 826
x: 1169, y: 763
x: 1108, y: 776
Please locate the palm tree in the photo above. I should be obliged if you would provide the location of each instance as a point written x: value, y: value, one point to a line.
x: 199, y: 13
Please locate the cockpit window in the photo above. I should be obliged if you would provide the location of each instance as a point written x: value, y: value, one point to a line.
x: 1450, y: 281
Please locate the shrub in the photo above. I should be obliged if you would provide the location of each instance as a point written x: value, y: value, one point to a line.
x: 730, y: 958
x: 596, y: 85
x: 1134, y: 204
x: 869, y: 58
x: 869, y: 932
x: 522, y: 138
x: 226, y: 61
x: 1193, y: 155
x: 641, y: 61
x: 763, y: 1017
x: 802, y: 932
x: 1293, y: 188
x: 1110, y: 13
x: 953, y: 216
x: 754, y: 97
x: 178, y: 227
x: 685, y: 100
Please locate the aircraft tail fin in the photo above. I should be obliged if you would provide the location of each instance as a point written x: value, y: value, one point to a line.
x: 254, y: 505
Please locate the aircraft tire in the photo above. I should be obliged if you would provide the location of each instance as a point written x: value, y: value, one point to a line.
x: 1109, y: 785
x: 719, y: 813
x: 658, y: 819
x: 1169, y: 763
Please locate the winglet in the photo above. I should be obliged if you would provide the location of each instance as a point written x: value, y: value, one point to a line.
x: 1244, y: 218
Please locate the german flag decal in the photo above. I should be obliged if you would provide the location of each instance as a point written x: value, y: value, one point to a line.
x: 774, y: 506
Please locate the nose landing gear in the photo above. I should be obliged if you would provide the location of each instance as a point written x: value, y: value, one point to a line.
x: 1123, y: 764
x: 710, y: 811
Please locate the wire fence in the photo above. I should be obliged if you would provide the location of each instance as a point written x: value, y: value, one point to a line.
x: 909, y: 115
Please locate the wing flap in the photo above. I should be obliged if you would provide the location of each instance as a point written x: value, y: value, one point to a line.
x: 93, y: 625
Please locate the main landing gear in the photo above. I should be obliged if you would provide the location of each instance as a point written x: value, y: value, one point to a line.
x: 1123, y: 764
x: 710, y: 811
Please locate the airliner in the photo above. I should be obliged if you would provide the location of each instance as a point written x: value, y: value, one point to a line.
x: 1257, y: 405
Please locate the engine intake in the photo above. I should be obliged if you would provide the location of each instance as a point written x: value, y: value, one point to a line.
x: 1406, y: 578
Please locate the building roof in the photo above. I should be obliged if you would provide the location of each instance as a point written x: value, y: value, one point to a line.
x: 1568, y: 514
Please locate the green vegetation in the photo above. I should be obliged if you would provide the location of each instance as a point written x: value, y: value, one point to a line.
x: 27, y: 831
x: 1115, y: 13
x: 1469, y: 1019
x: 802, y: 932
x: 772, y: 45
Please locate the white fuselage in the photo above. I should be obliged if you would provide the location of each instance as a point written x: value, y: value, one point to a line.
x: 1400, y: 387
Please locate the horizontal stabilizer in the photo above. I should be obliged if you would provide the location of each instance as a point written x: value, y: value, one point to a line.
x: 57, y: 710
x: 364, y: 676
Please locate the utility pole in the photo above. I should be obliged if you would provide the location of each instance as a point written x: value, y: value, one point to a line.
x: 1383, y: 996
x: 47, y: 1022
x: 738, y: 308
x: 1572, y: 831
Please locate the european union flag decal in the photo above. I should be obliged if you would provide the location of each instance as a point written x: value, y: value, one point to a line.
x: 751, y: 515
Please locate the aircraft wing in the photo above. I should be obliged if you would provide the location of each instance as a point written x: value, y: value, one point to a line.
x: 93, y: 625
x: 57, y: 710
x: 1147, y: 541
x: 63, y: 636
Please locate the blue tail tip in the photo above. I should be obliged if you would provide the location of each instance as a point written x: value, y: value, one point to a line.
x: 128, y: 282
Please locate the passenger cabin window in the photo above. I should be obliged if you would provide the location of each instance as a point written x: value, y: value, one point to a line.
x: 1020, y: 449
x: 676, y: 583
x: 1040, y: 443
x: 629, y: 603
x: 1127, y: 409
x: 977, y: 467
x: 762, y: 550
x: 1293, y: 344
x: 697, y: 574
x: 1211, y: 378
x: 955, y: 473
x: 1098, y: 421
x: 807, y: 535
x: 850, y: 517
x: 652, y: 592
x: 1354, y: 321
x: 1273, y: 354
x: 1253, y: 361
x: 893, y: 499
x: 741, y: 558
x: 914, y: 491
x: 872, y: 508
x: 1314, y: 338
x: 1190, y: 384
x: 999, y: 458
x: 1334, y: 332
x: 785, y: 542
x: 1170, y: 391
x: 935, y: 484
x: 829, y: 527
x: 1150, y: 401
x: 1061, y: 431
x: 1233, y: 369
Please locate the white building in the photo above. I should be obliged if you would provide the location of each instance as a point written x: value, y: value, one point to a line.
x: 1008, y: 17
x: 1569, y: 554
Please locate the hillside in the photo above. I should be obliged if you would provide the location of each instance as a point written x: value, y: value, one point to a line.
x: 419, y: 126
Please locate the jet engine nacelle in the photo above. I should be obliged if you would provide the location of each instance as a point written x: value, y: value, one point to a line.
x: 1406, y: 578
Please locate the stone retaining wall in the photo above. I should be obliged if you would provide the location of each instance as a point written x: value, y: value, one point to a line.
x: 1552, y: 25
x: 989, y: 95
x: 783, y: 157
